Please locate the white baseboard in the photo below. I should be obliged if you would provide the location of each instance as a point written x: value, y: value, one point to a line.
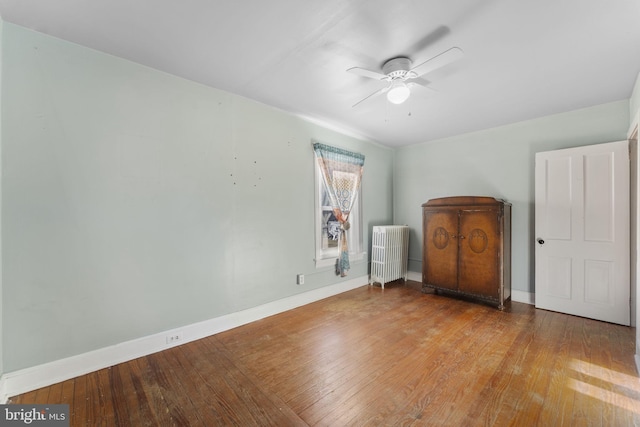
x: 638, y: 363
x: 522, y: 296
x: 516, y: 295
x: 415, y: 276
x: 3, y: 393
x: 24, y: 380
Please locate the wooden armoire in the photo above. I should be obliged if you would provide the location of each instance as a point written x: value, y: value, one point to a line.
x: 467, y: 247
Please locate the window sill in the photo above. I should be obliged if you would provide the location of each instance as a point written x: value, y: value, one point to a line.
x: 331, y: 262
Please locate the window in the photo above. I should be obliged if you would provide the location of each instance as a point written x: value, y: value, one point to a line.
x: 327, y: 225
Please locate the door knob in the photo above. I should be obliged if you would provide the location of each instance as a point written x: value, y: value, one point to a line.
x: 541, y: 241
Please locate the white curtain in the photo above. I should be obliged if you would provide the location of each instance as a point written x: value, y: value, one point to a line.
x: 341, y: 174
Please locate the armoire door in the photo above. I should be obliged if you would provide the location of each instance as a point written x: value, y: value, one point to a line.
x: 440, y: 258
x: 479, y: 262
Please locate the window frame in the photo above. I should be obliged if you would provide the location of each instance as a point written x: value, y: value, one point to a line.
x: 326, y: 257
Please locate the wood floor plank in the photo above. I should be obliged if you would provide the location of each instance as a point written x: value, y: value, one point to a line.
x: 481, y: 364
x: 25, y: 398
x: 437, y: 401
x: 617, y: 394
x: 623, y: 377
x: 536, y: 378
x: 348, y: 384
x: 42, y: 395
x: 374, y: 357
x: 386, y: 349
x: 78, y: 409
x: 100, y: 405
x: 558, y: 404
x: 237, y: 390
x: 93, y: 400
x: 163, y: 400
x: 195, y: 376
x: 439, y: 365
x: 498, y: 400
x: 587, y: 409
x: 123, y: 396
x: 55, y: 393
x: 178, y: 405
x: 66, y: 395
x: 313, y: 348
x: 135, y: 383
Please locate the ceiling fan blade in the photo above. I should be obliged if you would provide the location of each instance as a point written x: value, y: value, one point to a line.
x: 373, y: 95
x: 424, y: 88
x: 367, y: 73
x: 446, y: 57
x: 419, y: 81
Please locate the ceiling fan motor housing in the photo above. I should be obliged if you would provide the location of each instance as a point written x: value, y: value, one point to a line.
x: 397, y: 68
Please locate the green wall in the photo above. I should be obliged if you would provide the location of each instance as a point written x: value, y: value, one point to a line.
x: 135, y: 202
x: 497, y: 162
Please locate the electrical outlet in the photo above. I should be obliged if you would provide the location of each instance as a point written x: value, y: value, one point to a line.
x: 300, y: 279
x: 174, y: 338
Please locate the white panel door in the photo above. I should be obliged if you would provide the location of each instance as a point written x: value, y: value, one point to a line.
x: 582, y: 231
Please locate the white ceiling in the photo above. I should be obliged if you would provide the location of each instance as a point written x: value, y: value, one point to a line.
x: 523, y: 58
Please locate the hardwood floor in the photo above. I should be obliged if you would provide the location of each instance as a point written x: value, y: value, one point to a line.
x: 375, y: 357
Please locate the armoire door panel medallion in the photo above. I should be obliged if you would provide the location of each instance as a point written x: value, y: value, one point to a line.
x: 440, y: 238
x: 478, y: 240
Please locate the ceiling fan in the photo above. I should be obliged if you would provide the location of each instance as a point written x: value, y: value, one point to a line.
x: 401, y: 77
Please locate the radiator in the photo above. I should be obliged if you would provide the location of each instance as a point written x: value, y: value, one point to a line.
x: 389, y: 253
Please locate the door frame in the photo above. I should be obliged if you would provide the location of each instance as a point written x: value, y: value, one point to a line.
x: 632, y: 137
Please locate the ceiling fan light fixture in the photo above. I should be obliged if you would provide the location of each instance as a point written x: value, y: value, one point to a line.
x: 398, y: 93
